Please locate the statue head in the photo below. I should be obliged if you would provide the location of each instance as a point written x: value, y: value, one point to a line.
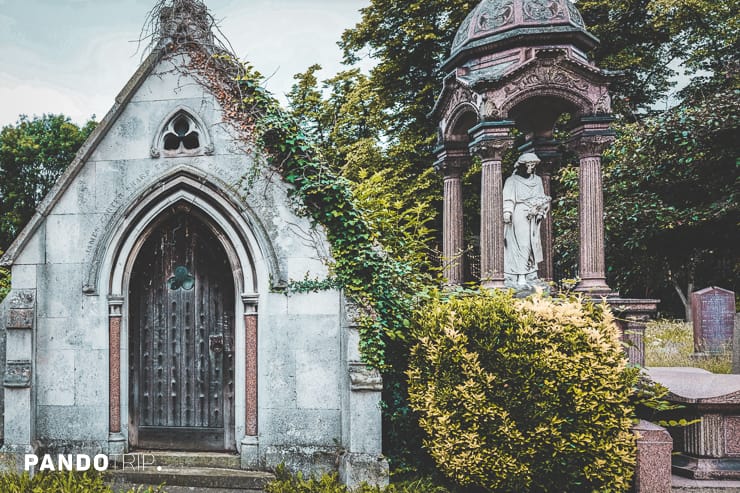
x: 526, y: 163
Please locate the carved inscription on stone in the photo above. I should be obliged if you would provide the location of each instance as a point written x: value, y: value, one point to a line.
x: 17, y: 374
x: 713, y: 317
x: 20, y: 318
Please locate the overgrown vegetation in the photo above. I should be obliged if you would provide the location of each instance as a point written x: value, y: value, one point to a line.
x: 524, y: 395
x: 671, y: 343
x: 329, y: 483
x: 63, y: 482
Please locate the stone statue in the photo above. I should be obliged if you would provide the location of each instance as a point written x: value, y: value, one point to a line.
x: 525, y: 205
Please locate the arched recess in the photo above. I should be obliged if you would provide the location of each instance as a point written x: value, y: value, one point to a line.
x: 462, y: 118
x: 252, y: 263
x: 105, y: 261
x: 181, y: 326
x: 536, y: 109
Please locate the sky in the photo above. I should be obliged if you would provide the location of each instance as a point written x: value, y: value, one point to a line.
x: 74, y: 56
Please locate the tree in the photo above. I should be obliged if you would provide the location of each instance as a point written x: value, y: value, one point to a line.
x: 671, y: 198
x: 33, y: 154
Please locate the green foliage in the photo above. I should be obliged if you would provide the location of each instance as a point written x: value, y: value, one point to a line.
x: 671, y: 343
x: 671, y: 201
x: 329, y: 483
x: 4, y: 281
x: 62, y: 482
x: 524, y: 395
x: 33, y: 153
x: 385, y: 288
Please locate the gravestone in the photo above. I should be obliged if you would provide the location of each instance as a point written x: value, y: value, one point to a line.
x: 713, y: 312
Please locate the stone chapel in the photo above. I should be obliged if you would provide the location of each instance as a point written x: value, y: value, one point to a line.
x: 148, y: 307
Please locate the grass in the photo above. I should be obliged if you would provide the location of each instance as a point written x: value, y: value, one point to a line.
x: 671, y: 343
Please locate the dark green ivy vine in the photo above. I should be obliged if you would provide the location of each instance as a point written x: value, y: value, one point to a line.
x: 385, y: 289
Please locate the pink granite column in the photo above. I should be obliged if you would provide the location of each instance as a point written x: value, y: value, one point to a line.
x: 546, y: 271
x: 592, y: 268
x: 250, y: 333
x: 452, y: 163
x: 115, y: 313
x: 491, y: 142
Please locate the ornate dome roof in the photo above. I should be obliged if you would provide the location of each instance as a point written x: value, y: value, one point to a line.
x: 494, y: 20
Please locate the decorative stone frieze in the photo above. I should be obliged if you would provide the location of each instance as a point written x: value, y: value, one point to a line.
x: 18, y: 374
x: 363, y: 378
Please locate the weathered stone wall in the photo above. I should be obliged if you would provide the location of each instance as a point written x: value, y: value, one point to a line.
x: 302, y: 369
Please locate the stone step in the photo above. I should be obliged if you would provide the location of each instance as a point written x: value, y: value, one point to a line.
x: 686, y: 485
x: 184, y: 479
x: 154, y: 458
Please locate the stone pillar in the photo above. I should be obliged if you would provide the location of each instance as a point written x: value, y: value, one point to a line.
x: 490, y: 141
x: 362, y: 459
x: 653, y: 468
x: 451, y: 162
x: 589, y: 142
x: 19, y: 418
x: 250, y: 457
x: 116, y: 440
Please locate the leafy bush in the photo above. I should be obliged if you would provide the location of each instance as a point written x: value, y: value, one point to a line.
x: 62, y: 482
x: 329, y: 483
x: 524, y: 395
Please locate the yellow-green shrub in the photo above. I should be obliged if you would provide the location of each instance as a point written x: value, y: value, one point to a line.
x: 523, y: 394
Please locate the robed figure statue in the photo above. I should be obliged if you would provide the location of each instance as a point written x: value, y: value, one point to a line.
x: 525, y: 205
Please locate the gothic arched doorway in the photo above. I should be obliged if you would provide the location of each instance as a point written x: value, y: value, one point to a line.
x: 181, y: 338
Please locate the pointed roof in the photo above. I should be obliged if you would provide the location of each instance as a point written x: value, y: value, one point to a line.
x: 178, y: 25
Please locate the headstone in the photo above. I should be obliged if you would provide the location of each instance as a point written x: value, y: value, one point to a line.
x: 713, y: 312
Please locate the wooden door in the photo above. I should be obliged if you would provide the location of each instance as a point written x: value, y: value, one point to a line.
x: 181, y: 340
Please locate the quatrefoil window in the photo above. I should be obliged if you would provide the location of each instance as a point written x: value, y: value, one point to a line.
x: 183, y: 134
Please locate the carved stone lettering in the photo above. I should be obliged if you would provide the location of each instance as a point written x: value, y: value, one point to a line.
x: 17, y: 374
x: 20, y: 318
x: 713, y: 318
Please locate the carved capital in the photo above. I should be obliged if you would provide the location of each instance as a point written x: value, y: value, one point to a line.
x: 590, y: 146
x: 491, y: 149
x: 115, y: 306
x: 361, y: 377
x: 452, y: 162
x: 17, y: 374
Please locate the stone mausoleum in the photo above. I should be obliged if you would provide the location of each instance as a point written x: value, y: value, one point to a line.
x: 148, y: 307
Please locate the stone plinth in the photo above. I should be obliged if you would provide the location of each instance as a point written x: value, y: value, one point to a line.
x: 710, y: 447
x: 713, y: 314
x: 632, y: 315
x: 653, y: 469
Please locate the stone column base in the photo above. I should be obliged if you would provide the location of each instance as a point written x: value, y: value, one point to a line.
x: 250, y: 453
x: 356, y: 468
x: 116, y: 444
x: 12, y: 458
x: 653, y: 469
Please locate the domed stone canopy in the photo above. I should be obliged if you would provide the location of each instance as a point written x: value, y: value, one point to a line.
x: 495, y: 23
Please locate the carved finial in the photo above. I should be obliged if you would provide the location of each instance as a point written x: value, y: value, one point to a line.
x: 185, y: 22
